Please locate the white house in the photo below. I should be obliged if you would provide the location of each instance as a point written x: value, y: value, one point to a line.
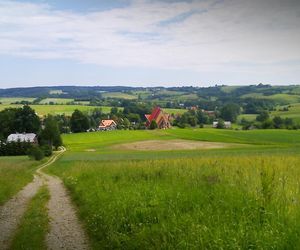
x: 30, y: 137
x: 227, y: 124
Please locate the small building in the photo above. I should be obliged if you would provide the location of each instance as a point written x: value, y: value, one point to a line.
x: 161, y: 118
x: 227, y: 124
x: 107, y: 125
x: 30, y: 137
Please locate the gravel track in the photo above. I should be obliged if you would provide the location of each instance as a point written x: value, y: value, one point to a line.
x: 65, y: 232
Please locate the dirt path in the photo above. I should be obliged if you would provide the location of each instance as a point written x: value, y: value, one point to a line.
x: 11, y: 212
x: 65, y: 232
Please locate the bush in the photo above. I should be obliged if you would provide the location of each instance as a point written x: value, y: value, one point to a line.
x: 47, y: 149
x: 36, y: 153
x: 153, y: 124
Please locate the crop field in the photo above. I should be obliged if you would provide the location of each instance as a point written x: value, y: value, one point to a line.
x: 242, y: 197
x: 57, y: 109
x: 15, y: 173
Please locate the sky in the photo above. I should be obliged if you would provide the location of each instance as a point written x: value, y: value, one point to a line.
x: 149, y: 42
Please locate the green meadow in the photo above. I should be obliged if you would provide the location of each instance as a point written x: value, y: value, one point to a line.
x: 15, y: 173
x: 241, y: 197
x: 57, y: 109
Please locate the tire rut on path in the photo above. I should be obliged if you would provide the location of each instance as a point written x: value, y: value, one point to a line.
x: 12, y: 211
x: 65, y: 231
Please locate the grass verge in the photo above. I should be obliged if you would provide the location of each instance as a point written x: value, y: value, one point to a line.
x: 34, y: 225
x: 15, y: 173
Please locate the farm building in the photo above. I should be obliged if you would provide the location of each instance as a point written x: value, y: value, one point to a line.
x: 107, y: 125
x: 30, y: 137
x: 161, y: 118
x: 227, y: 124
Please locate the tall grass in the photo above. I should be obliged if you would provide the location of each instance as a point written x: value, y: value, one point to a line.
x: 225, y: 202
x: 15, y: 173
x: 33, y: 227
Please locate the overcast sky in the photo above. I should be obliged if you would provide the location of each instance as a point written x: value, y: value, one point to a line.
x: 149, y: 43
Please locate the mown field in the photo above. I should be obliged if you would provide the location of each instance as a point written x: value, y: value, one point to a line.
x: 57, y: 109
x: 243, y: 197
x: 15, y: 173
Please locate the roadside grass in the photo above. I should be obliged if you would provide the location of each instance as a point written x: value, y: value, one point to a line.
x: 212, y: 202
x: 57, y: 109
x: 33, y: 227
x: 15, y: 173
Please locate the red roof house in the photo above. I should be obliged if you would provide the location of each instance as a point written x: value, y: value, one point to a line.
x: 107, y: 125
x: 162, y: 119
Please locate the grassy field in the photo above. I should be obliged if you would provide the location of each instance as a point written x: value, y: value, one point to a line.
x: 293, y: 112
x: 235, y: 198
x: 119, y: 95
x: 279, y: 98
x: 9, y: 100
x: 15, y: 173
x: 56, y: 100
x: 31, y: 233
x: 57, y: 109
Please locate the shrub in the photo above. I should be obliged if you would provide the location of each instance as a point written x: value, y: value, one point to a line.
x: 47, y: 149
x: 36, y: 153
x: 153, y: 124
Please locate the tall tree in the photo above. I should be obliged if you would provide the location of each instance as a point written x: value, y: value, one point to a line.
x: 50, y: 134
x: 79, y: 122
x: 26, y: 120
x: 230, y: 112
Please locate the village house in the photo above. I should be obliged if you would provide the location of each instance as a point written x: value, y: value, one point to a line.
x: 161, y: 118
x: 107, y: 125
x: 227, y: 124
x: 30, y: 137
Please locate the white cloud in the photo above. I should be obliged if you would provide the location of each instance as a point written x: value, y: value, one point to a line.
x: 226, y: 35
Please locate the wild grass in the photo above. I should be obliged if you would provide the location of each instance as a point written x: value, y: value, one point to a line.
x: 235, y: 198
x: 214, y: 202
x: 33, y: 227
x: 101, y: 140
x: 15, y: 173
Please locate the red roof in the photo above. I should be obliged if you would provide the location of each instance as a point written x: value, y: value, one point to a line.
x: 154, y: 114
x: 107, y: 123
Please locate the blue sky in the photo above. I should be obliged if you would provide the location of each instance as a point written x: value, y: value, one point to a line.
x: 149, y: 43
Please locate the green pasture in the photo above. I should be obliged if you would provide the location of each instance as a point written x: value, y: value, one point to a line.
x: 15, y: 173
x: 235, y: 198
x: 119, y: 95
x: 56, y: 100
x: 9, y: 100
x: 279, y: 98
x: 293, y: 112
x: 58, y: 109
x: 175, y: 111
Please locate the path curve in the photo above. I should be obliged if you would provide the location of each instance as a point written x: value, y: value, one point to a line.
x: 12, y: 211
x: 66, y: 231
